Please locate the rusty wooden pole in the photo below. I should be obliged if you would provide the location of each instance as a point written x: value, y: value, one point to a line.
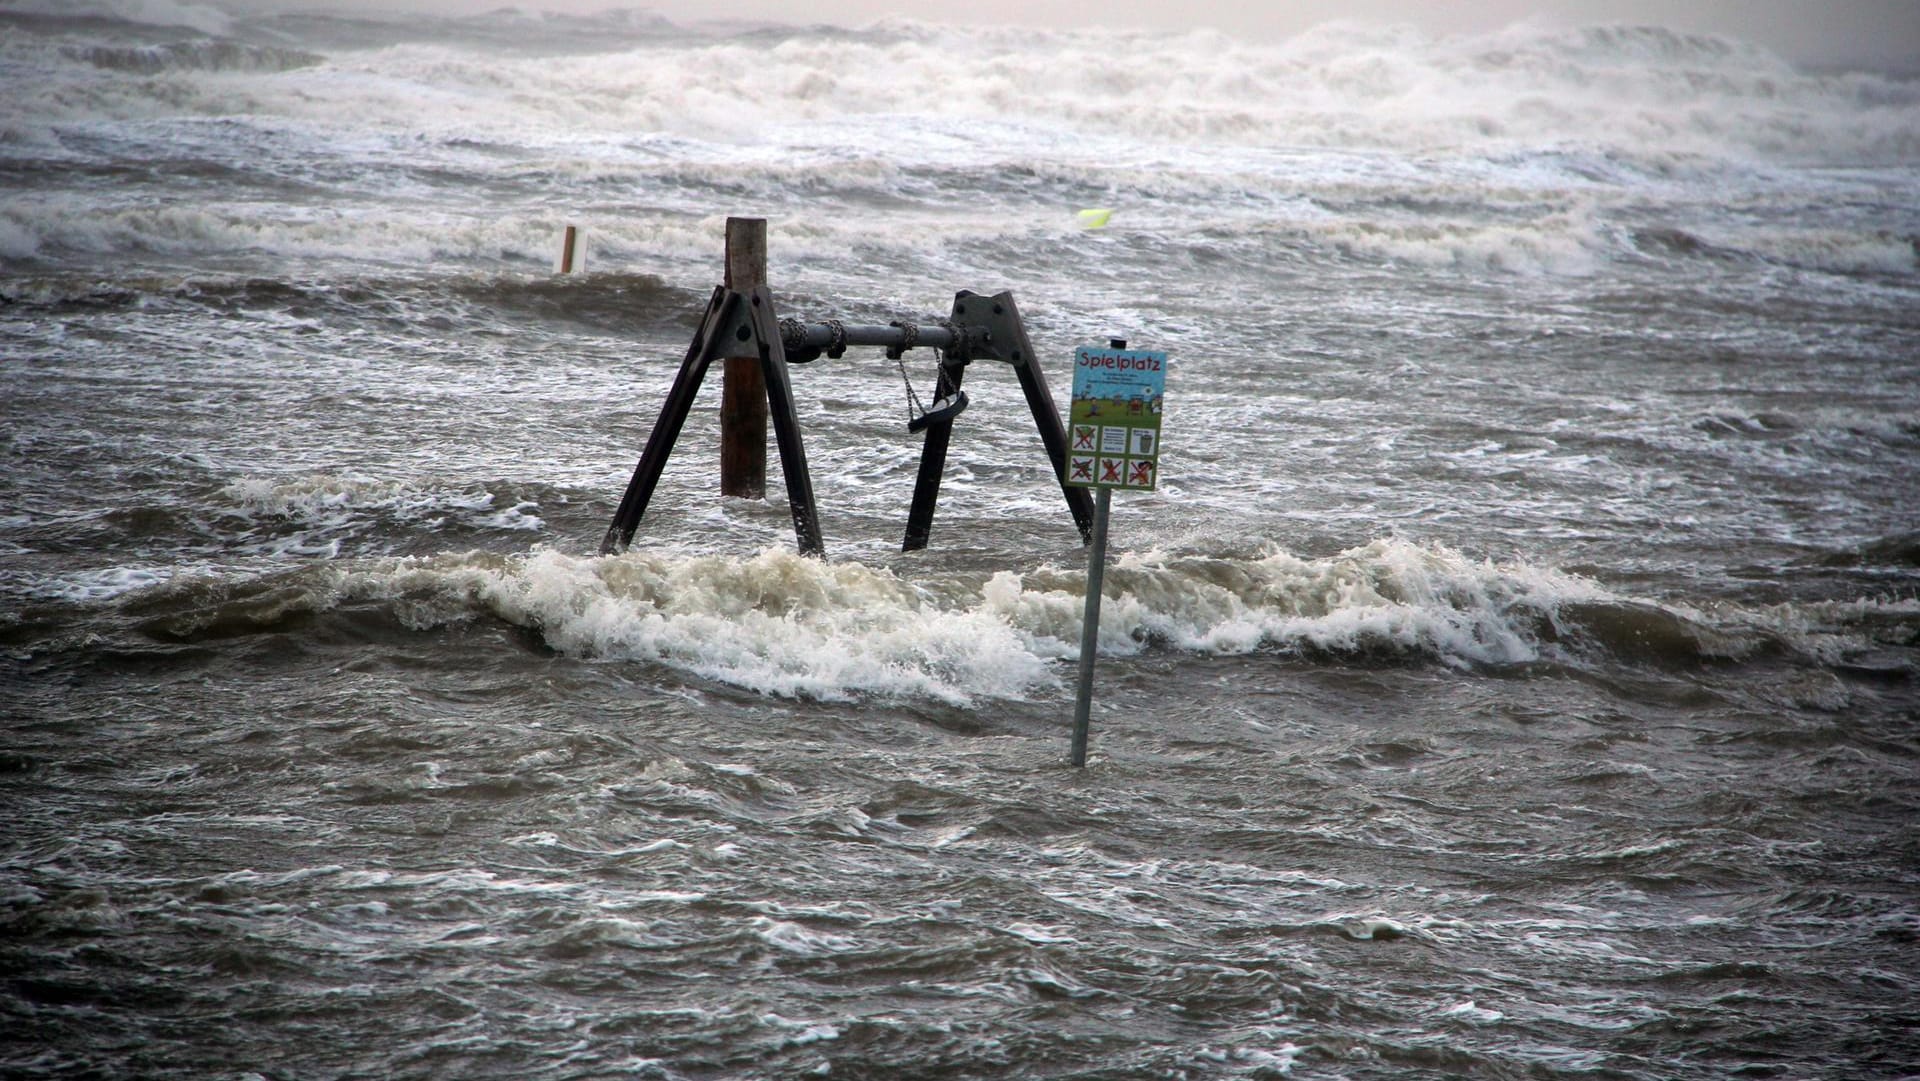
x: 566, y: 249
x: 743, y: 392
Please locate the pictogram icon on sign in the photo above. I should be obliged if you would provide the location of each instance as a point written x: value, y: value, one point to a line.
x: 1083, y: 436
x: 1140, y: 473
x: 1080, y: 470
x: 1110, y: 470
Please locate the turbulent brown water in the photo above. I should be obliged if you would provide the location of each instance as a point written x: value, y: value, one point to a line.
x: 1513, y: 676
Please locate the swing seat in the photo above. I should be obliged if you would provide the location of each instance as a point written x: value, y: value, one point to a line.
x: 943, y: 409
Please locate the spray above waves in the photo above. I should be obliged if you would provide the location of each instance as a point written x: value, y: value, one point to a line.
x: 1644, y: 94
x: 1550, y: 233
x: 193, y: 56
x: 787, y: 626
x: 284, y: 145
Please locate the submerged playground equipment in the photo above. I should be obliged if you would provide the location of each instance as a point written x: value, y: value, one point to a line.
x: 740, y: 327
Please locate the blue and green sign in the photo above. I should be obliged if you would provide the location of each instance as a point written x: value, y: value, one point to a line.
x: 1113, y: 438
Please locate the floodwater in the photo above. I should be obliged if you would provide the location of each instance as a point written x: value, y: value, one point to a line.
x: 1512, y: 674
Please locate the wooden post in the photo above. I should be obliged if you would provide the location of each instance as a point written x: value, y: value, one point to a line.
x: 566, y: 250
x: 743, y: 392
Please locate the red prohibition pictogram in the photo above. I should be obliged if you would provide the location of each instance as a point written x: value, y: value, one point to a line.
x: 1082, y: 470
x: 1083, y: 436
x: 1110, y: 470
x: 1140, y: 474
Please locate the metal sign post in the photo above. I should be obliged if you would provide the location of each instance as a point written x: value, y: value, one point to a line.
x: 1113, y: 442
x: 1090, y: 626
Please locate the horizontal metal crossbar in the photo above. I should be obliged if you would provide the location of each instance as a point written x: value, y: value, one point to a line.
x: 832, y: 336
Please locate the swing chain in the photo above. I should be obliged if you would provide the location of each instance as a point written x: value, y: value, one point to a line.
x: 909, y: 338
x: 914, y: 408
x: 792, y: 331
x: 956, y: 354
x: 836, y: 338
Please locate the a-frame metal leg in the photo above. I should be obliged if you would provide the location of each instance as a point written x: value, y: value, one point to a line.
x: 1046, y: 416
x: 786, y: 424
x: 1000, y: 318
x: 1054, y: 435
x: 933, y: 463
x: 731, y: 318
x: 673, y: 415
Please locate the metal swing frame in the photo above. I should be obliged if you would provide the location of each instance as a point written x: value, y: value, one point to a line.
x: 740, y: 324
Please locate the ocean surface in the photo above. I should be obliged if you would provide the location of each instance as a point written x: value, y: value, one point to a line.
x: 1512, y: 676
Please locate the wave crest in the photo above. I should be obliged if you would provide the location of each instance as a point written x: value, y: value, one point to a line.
x: 193, y: 56
x: 784, y: 625
x: 1643, y: 94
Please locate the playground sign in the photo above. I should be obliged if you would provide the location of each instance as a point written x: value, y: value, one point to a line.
x: 1114, y: 420
x: 1113, y: 442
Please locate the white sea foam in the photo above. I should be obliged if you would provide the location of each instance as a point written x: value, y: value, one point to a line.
x: 330, y: 503
x: 785, y: 625
x: 1642, y: 92
x: 777, y: 623
x: 799, y: 1033
x: 795, y: 939
x: 1567, y: 242
x: 781, y: 624
x: 1274, y: 1061
x: 1473, y: 1014
x: 51, y: 224
x: 106, y: 583
x: 206, y: 18
x: 1371, y: 927
x: 1369, y: 143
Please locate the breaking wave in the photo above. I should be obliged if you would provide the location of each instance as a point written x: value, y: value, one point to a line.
x: 193, y: 56
x: 788, y: 626
x: 1528, y: 151
x: 1648, y: 95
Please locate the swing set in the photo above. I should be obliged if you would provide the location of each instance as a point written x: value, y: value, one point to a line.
x: 743, y: 324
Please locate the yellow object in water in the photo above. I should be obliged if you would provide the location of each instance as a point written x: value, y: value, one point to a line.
x: 1094, y: 218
